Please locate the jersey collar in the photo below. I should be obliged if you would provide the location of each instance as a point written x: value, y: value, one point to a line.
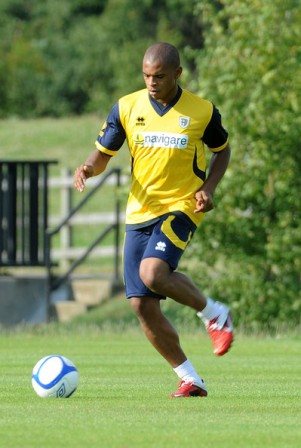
x: 162, y: 110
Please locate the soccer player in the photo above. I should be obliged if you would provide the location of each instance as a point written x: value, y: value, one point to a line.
x: 166, y: 128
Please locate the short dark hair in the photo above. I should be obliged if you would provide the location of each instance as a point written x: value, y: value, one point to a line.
x: 165, y: 52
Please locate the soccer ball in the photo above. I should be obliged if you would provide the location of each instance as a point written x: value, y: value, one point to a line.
x: 54, y: 376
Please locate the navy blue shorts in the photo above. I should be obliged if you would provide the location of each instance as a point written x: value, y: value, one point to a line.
x: 166, y: 239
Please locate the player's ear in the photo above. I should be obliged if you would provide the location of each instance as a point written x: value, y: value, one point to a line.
x: 179, y: 72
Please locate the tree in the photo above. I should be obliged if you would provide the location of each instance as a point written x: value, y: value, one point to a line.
x: 251, y: 68
x: 62, y: 57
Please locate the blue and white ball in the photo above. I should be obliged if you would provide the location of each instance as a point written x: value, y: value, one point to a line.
x: 54, y: 376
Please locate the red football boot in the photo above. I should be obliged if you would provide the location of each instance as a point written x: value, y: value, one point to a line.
x: 220, y: 330
x: 188, y: 389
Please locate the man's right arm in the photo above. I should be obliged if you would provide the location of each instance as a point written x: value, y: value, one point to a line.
x: 110, y: 139
x: 95, y: 164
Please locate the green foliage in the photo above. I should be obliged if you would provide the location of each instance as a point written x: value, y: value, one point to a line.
x: 61, y: 57
x: 251, y: 69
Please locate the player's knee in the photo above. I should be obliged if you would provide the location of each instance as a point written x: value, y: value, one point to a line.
x: 152, y: 277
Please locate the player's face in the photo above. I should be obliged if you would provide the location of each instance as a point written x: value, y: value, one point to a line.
x: 161, y: 80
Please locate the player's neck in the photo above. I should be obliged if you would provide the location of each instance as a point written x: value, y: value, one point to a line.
x: 170, y: 98
x: 163, y: 104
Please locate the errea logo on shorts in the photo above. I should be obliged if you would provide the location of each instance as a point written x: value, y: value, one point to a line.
x: 160, y: 246
x: 161, y: 139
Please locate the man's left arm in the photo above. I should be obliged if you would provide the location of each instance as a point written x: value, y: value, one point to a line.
x: 218, y: 166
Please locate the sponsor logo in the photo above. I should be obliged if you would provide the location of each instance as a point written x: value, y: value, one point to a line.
x: 161, y: 139
x: 138, y: 139
x: 160, y: 246
x: 184, y: 122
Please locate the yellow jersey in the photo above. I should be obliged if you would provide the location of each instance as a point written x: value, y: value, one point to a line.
x: 167, y: 151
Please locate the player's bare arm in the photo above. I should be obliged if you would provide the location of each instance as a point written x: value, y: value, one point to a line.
x: 95, y: 164
x: 218, y: 166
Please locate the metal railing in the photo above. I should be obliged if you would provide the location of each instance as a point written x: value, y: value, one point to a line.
x: 54, y: 281
x: 23, y: 212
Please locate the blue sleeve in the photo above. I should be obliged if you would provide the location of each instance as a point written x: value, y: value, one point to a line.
x: 112, y: 135
x: 215, y: 135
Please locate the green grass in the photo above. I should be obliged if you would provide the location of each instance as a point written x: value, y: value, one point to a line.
x: 122, y: 400
x: 68, y: 140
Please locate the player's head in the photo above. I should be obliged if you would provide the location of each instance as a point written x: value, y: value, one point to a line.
x: 161, y: 71
x: 164, y: 53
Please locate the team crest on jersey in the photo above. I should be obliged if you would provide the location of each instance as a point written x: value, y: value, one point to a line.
x: 184, y: 122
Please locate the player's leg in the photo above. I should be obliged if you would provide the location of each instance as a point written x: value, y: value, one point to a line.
x: 157, y: 328
x: 164, y: 338
x: 159, y: 277
x: 155, y: 325
x: 158, y: 274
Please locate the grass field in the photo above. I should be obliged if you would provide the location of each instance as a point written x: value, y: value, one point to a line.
x: 67, y: 140
x: 122, y: 400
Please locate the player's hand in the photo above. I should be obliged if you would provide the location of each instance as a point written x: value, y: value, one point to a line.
x: 81, y: 174
x: 204, y: 201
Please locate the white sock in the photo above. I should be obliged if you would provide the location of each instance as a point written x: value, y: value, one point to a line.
x: 186, y: 372
x: 210, y: 311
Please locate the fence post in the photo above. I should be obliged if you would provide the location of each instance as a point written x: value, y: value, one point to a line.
x: 117, y: 231
x: 66, y: 207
